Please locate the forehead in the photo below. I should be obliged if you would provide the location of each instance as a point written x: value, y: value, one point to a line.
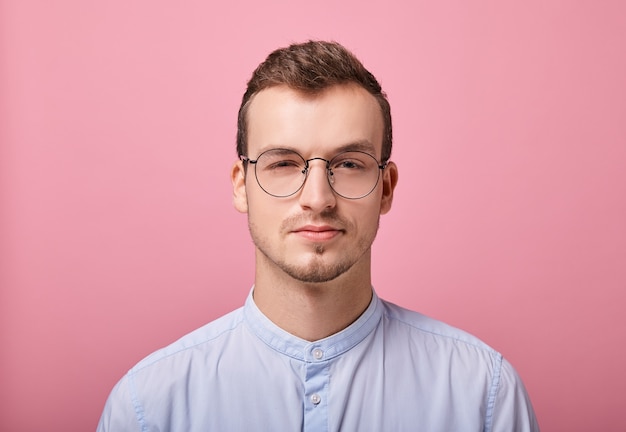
x: 320, y: 124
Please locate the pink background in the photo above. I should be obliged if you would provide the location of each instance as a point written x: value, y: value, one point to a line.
x: 117, y: 233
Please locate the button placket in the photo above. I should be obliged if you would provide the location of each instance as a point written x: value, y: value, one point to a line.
x: 316, y: 383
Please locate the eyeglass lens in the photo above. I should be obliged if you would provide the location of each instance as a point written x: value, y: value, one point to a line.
x: 351, y: 174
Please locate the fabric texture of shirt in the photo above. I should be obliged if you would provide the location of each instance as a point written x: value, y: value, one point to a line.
x: 391, y: 370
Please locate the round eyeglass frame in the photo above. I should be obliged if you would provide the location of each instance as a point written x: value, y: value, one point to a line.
x: 329, y: 172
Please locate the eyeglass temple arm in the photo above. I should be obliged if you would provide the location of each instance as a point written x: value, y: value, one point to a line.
x: 247, y: 159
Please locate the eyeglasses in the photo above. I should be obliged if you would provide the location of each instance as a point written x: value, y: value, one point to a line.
x: 282, y: 172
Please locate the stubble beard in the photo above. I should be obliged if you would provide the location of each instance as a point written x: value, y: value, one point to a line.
x: 317, y: 269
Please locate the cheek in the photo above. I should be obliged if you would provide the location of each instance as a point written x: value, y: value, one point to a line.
x: 264, y: 211
x: 365, y: 217
x: 256, y: 197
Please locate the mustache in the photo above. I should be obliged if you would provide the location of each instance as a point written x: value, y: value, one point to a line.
x: 327, y: 217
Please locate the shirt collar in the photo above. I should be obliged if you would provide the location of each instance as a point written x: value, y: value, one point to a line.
x: 321, y: 350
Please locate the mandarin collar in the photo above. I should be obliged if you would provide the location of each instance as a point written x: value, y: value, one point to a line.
x: 317, y: 351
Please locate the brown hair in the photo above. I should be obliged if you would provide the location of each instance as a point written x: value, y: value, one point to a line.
x: 312, y: 67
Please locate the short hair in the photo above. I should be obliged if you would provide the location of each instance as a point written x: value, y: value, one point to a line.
x: 311, y: 67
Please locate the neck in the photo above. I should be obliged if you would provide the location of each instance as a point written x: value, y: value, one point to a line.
x: 313, y: 311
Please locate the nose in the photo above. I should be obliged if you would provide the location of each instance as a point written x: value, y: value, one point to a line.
x: 316, y: 194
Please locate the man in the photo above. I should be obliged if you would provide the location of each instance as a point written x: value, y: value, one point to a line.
x: 314, y: 348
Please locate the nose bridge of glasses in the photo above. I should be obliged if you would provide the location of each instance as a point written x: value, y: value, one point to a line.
x: 327, y: 162
x: 329, y: 173
x: 307, y: 166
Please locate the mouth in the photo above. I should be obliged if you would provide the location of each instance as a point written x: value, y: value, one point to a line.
x: 317, y: 232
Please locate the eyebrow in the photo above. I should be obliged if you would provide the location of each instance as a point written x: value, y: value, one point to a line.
x: 362, y: 145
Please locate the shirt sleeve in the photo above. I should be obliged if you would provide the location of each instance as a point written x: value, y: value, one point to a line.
x: 512, y: 410
x: 119, y: 414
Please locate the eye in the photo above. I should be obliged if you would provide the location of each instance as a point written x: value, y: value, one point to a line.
x: 280, y: 161
x: 348, y: 163
x: 285, y: 163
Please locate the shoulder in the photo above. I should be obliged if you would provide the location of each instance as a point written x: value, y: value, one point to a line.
x: 423, y: 329
x: 449, y: 358
x: 207, y: 337
x: 167, y: 374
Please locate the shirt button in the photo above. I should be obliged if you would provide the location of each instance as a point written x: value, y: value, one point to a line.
x: 315, y: 399
x: 318, y: 354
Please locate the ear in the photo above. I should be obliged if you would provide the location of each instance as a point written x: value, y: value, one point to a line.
x: 238, y: 177
x: 390, y: 180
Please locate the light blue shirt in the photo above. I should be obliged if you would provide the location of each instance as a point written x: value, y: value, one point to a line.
x: 391, y: 370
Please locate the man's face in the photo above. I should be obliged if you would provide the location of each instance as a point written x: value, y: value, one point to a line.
x: 314, y: 235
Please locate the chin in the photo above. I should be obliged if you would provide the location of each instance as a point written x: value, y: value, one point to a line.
x: 317, y: 272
